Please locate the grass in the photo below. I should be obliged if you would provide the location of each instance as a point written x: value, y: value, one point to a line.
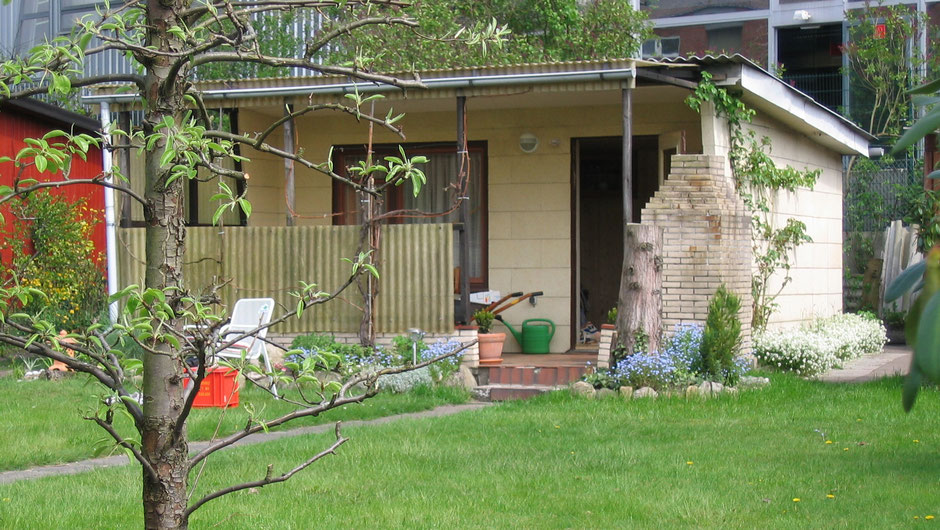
x: 41, y: 421
x: 565, y: 462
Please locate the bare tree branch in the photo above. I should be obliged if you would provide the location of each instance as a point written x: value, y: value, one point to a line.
x: 268, y: 479
x: 79, y: 82
x: 125, y: 444
x: 339, y: 399
x: 99, y: 181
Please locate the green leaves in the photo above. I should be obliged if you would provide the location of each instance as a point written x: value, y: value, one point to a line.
x: 905, y: 281
x: 922, y: 127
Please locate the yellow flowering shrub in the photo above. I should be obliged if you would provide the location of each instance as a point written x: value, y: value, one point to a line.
x: 53, y: 251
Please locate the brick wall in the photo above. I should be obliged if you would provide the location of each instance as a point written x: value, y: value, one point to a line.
x: 706, y: 239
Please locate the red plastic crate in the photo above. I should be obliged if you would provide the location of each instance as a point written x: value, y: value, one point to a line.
x: 218, y: 389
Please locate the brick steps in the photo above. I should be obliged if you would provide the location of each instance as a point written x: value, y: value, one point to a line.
x: 502, y: 383
x: 531, y: 375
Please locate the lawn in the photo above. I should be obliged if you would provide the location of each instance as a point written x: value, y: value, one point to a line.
x: 761, y: 459
x: 41, y: 421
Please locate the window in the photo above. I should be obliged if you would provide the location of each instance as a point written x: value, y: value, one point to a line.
x: 661, y: 47
x: 197, y: 206
x: 199, y: 209
x: 724, y: 39
x: 435, y: 197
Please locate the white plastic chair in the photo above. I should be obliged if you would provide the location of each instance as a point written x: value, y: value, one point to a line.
x: 248, y: 314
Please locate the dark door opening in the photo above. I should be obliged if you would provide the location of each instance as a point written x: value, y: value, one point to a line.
x: 598, y: 245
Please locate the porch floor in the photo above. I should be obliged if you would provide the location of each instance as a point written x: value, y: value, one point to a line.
x: 547, y: 360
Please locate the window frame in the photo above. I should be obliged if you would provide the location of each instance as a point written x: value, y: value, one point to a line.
x: 395, y: 194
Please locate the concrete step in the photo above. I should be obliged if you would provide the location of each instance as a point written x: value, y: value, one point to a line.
x: 499, y: 392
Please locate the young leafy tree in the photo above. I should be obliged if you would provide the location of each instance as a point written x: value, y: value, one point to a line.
x: 170, y: 40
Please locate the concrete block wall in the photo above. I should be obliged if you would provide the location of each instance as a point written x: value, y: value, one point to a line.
x: 706, y: 239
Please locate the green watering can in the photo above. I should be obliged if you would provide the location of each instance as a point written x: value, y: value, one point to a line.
x: 535, y: 336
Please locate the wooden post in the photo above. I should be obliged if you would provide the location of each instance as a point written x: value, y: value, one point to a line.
x: 463, y: 315
x: 289, y: 164
x: 627, y: 142
x: 124, y: 160
x: 639, y: 306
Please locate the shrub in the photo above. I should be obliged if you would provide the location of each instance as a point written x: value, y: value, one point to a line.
x: 61, y: 260
x: 354, y: 358
x: 816, y: 347
x: 484, y: 320
x: 350, y: 355
x: 721, y: 339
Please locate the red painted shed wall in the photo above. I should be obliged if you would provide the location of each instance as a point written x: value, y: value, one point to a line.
x: 14, y: 127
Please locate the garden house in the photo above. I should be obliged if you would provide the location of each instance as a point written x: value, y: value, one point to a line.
x: 545, y: 157
x: 30, y: 118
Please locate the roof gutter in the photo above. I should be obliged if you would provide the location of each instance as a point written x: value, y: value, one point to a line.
x: 469, y: 81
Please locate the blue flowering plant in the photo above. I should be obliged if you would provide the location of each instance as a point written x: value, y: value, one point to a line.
x: 679, y: 363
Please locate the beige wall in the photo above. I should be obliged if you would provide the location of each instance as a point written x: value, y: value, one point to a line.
x: 529, y: 194
x: 816, y: 289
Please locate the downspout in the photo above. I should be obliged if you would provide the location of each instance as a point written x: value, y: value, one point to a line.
x: 110, y: 232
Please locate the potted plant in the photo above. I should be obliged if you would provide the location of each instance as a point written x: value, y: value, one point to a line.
x: 491, y: 344
x: 894, y: 325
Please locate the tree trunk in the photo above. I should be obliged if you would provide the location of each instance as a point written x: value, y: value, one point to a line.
x: 164, y: 495
x: 639, y: 309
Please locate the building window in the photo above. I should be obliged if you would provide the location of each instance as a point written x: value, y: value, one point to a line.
x: 724, y: 39
x: 436, y: 196
x: 198, y: 191
x: 198, y: 207
x: 661, y: 47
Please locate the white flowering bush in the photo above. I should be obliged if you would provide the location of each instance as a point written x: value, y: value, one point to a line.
x: 820, y: 345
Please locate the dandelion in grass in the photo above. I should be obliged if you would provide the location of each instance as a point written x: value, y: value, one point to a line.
x: 845, y: 448
x: 796, y: 499
x: 830, y: 496
x: 929, y: 517
x: 689, y: 463
x: 916, y: 441
x: 828, y: 442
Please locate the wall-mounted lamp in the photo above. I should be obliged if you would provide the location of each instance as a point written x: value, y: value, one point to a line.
x: 801, y: 15
x: 528, y: 142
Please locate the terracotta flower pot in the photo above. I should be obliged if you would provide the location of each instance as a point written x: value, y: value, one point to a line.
x: 491, y: 348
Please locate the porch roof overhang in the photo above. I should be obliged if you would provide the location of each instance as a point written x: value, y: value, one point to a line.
x: 758, y: 87
x: 433, y: 80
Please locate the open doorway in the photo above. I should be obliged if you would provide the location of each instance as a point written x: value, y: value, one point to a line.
x: 598, y: 223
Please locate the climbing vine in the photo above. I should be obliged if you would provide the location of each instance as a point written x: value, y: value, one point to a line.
x: 757, y: 180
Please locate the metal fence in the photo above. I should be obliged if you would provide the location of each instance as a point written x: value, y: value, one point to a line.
x: 825, y: 88
x: 415, y: 263
x: 879, y: 192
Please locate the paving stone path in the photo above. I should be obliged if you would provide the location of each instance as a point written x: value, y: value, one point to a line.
x: 121, y: 460
x: 893, y: 360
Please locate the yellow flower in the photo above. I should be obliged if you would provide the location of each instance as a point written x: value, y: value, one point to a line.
x: 845, y: 448
x: 916, y: 441
x: 796, y: 499
x: 830, y: 496
x: 689, y: 463
x: 929, y: 517
x: 828, y: 442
